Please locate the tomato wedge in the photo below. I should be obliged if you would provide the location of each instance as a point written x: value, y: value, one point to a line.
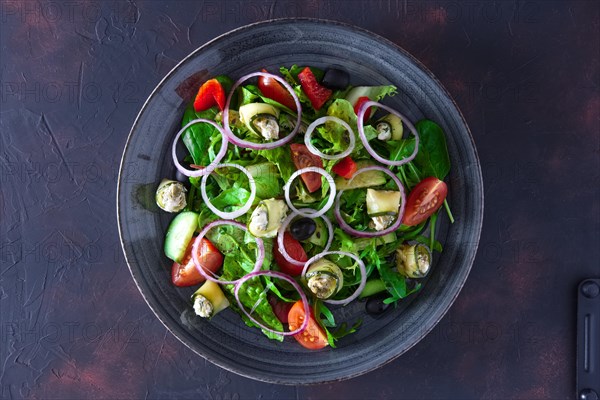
x: 210, y: 93
x: 302, y: 158
x: 345, y: 168
x: 295, y: 250
x: 316, y: 93
x: 360, y: 102
x: 425, y: 199
x: 313, y: 337
x: 186, y: 273
x: 274, y: 90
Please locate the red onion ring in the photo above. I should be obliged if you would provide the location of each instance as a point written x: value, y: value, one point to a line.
x: 315, y: 213
x: 252, y: 145
x: 361, y: 131
x: 232, y: 214
x: 196, y: 247
x: 208, y: 169
x: 281, y: 231
x: 321, y: 121
x: 361, y: 266
x: 347, y: 228
x: 273, y: 274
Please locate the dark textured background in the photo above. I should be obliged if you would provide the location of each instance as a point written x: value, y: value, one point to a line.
x: 526, y: 75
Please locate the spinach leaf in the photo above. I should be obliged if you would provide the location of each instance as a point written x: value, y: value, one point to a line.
x: 432, y: 158
x: 197, y: 138
x: 231, y: 199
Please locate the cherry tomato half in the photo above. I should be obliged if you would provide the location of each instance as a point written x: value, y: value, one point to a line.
x: 186, y: 273
x: 210, y: 93
x: 313, y: 337
x: 302, y: 158
x: 274, y: 90
x: 295, y: 250
x: 425, y: 199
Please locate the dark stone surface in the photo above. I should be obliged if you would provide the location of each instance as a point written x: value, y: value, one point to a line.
x: 73, y: 77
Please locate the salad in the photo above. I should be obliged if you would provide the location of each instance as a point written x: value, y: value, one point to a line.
x: 298, y: 193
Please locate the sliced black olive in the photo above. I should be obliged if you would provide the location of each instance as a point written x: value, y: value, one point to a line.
x: 302, y: 228
x: 336, y: 79
x: 376, y: 306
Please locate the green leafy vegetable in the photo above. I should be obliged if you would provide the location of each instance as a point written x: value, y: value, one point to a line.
x: 266, y: 178
x: 326, y: 320
x: 197, y: 138
x: 239, y: 260
x: 432, y: 159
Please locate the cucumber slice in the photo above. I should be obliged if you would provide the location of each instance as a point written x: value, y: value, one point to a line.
x: 179, y: 235
x: 364, y: 180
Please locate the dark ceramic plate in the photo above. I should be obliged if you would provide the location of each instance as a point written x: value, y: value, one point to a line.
x: 226, y: 341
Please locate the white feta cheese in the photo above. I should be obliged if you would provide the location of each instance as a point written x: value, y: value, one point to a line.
x: 202, y: 306
x: 381, y: 222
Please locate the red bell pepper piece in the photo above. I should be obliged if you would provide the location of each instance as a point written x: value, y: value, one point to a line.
x: 316, y: 93
x: 210, y: 93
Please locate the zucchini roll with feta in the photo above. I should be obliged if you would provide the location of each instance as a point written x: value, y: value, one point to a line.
x: 209, y: 300
x: 324, y: 279
x: 413, y: 261
x: 170, y: 195
x: 267, y: 218
x: 261, y: 118
x: 382, y: 207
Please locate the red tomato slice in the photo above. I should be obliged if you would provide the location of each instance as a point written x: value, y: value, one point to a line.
x: 359, y: 103
x: 345, y: 168
x: 302, y: 158
x: 209, y: 94
x: 425, y: 199
x: 186, y: 273
x: 280, y: 308
x: 316, y: 93
x: 295, y: 250
x: 313, y: 337
x: 274, y: 90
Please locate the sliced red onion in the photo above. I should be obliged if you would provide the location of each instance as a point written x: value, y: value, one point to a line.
x: 209, y: 168
x: 196, y: 253
x: 283, y: 227
x: 313, y: 213
x: 321, y: 121
x: 273, y: 274
x: 232, y: 214
x: 361, y: 131
x: 347, y: 228
x: 361, y: 266
x: 252, y: 145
